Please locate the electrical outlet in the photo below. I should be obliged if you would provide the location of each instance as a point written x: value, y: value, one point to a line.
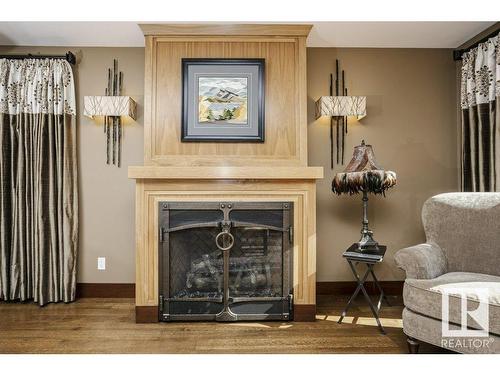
x: 101, y: 263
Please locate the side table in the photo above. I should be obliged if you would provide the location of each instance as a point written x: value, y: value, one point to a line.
x: 354, y: 256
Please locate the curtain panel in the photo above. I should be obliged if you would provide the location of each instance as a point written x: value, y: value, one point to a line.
x: 480, y: 89
x: 38, y: 181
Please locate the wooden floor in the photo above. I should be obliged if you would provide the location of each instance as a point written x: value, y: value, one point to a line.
x: 107, y: 326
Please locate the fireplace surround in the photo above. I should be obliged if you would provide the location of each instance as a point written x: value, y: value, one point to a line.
x: 209, y: 174
x: 225, y: 261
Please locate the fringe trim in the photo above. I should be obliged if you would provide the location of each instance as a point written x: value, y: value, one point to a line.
x: 375, y: 182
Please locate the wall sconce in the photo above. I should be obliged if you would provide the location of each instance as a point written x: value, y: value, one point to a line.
x: 112, y: 107
x: 338, y: 107
x: 341, y: 106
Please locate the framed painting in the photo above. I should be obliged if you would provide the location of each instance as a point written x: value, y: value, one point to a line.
x: 223, y: 100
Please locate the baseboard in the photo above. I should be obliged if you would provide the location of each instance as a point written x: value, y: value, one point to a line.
x: 304, y: 313
x: 117, y: 290
x: 391, y: 288
x: 146, y: 314
x: 105, y: 290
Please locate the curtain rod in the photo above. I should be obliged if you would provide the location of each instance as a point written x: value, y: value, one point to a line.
x: 457, y: 53
x: 69, y: 57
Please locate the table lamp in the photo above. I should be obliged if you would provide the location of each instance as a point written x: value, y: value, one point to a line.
x: 363, y: 175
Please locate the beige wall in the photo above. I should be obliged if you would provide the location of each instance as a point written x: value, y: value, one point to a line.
x: 107, y: 197
x: 411, y: 123
x: 412, y: 126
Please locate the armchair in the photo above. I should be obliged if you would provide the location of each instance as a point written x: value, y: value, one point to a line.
x: 462, y: 251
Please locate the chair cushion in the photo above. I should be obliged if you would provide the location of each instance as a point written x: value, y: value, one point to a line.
x: 425, y: 296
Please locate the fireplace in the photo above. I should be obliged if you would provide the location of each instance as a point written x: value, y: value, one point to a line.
x: 225, y: 261
x: 187, y: 276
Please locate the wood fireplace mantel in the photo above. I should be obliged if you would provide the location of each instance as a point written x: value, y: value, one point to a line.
x: 225, y: 173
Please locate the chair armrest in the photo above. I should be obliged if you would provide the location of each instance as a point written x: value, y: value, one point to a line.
x: 424, y: 261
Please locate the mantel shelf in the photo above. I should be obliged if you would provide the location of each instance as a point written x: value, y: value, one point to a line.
x: 225, y: 173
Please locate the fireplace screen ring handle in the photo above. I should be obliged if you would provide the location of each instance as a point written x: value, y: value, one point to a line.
x: 226, y: 236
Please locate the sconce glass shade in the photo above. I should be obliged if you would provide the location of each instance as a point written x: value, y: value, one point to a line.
x: 109, y: 106
x: 341, y: 106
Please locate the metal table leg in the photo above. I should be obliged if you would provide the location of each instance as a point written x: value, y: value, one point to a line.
x: 382, y: 294
x: 356, y: 292
x: 374, y: 309
x: 361, y: 287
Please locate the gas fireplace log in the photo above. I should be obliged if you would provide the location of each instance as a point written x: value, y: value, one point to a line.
x: 208, y: 283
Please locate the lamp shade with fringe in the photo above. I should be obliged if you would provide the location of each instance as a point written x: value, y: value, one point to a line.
x: 362, y: 174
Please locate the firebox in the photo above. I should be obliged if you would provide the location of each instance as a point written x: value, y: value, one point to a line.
x: 225, y: 261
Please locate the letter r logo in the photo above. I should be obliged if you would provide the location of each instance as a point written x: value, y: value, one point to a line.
x: 480, y: 315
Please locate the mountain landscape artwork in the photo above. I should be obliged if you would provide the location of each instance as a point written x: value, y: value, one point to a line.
x: 223, y: 100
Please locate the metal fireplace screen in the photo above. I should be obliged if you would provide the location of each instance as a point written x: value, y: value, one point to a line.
x: 225, y: 261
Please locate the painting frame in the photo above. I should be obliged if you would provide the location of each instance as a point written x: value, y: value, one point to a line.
x: 217, y: 130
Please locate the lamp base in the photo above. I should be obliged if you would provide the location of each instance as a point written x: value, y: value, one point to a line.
x: 366, y: 242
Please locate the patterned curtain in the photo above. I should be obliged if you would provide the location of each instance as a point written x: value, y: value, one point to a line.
x: 480, y: 89
x: 38, y: 181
